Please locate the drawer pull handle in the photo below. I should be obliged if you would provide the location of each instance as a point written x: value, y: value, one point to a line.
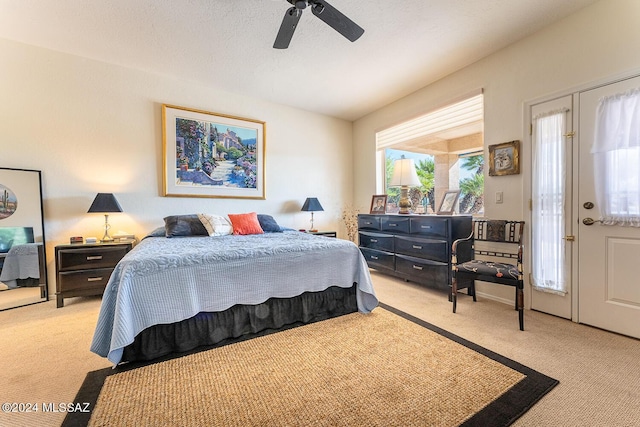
x: 94, y: 279
x: 417, y: 247
x: 417, y: 267
x: 393, y: 225
x: 374, y: 240
x: 368, y: 223
x: 425, y: 226
x: 94, y: 258
x: 374, y: 257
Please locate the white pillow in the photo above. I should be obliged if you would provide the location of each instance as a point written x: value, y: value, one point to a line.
x: 216, y: 225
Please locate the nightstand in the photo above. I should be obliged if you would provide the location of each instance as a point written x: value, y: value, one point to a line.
x: 323, y: 233
x: 84, y: 269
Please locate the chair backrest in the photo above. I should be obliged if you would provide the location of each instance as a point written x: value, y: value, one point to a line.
x: 499, y: 231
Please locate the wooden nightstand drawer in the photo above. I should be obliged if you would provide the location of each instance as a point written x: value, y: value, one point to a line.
x: 86, y: 279
x: 84, y: 258
x: 84, y: 270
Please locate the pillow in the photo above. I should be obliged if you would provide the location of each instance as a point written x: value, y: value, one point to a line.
x: 268, y: 224
x: 245, y: 223
x: 184, y: 225
x: 158, y: 232
x: 216, y: 225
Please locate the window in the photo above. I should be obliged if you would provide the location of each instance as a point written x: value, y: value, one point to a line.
x: 616, y: 154
x: 548, y: 195
x: 447, y: 148
x: 422, y: 195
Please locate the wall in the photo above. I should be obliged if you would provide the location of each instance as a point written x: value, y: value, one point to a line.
x: 597, y: 42
x: 93, y: 127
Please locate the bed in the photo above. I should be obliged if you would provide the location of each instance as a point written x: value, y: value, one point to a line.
x: 171, y: 295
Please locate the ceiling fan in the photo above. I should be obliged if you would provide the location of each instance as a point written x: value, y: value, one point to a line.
x: 323, y: 10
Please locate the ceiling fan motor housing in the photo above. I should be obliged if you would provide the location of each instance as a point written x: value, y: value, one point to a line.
x: 299, y: 4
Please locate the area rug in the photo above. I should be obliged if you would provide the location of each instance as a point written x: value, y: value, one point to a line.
x: 386, y: 368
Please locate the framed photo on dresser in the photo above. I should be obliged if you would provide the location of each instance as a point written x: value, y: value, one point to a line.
x: 448, y: 203
x: 378, y: 204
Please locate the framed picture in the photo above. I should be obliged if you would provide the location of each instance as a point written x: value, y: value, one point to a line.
x: 212, y: 155
x: 448, y: 203
x: 504, y: 159
x: 378, y: 204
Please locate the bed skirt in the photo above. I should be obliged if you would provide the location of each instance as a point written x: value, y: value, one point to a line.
x: 240, y: 321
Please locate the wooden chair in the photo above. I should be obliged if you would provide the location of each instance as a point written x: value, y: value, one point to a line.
x: 506, y: 237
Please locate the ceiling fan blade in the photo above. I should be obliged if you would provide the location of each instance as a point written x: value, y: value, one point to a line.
x: 288, y: 26
x: 336, y: 20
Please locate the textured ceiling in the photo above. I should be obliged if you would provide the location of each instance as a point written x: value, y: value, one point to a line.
x: 227, y: 44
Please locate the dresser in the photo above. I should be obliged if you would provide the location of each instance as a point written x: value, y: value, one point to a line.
x: 84, y: 269
x: 416, y: 248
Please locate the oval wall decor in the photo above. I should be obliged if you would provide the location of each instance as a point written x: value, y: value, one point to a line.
x: 8, y: 202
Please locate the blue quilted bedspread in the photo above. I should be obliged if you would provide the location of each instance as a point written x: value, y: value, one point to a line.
x: 166, y: 280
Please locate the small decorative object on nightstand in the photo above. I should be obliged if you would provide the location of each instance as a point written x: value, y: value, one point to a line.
x: 312, y: 205
x: 84, y: 269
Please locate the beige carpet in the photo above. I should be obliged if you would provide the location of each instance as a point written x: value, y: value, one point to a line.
x: 356, y: 370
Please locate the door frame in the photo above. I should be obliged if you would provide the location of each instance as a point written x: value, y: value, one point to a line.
x: 527, y: 169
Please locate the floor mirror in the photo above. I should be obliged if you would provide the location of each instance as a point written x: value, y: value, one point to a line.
x: 23, y: 264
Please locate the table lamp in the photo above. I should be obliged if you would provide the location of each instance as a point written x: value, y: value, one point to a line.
x: 312, y: 205
x: 404, y: 176
x: 105, y: 203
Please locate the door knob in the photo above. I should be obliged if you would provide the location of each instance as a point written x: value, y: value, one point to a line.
x: 589, y: 221
x: 588, y: 205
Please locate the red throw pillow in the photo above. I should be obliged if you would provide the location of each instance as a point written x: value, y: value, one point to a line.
x: 245, y: 223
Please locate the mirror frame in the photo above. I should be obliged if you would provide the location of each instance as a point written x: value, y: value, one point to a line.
x: 27, y: 184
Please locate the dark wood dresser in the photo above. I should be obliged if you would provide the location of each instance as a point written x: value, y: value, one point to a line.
x: 84, y: 269
x: 414, y: 247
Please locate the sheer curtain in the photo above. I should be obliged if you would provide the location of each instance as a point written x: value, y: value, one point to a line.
x: 548, y: 217
x: 616, y: 156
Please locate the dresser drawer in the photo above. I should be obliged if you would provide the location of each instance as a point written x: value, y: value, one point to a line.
x: 429, y: 272
x: 395, y: 224
x: 430, y: 249
x: 84, y: 280
x: 430, y: 226
x: 378, y: 259
x: 90, y: 258
x: 381, y: 242
x: 368, y: 222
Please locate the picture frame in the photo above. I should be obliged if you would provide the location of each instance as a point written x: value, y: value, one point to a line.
x: 504, y: 159
x: 209, y: 154
x: 448, y: 203
x: 378, y: 204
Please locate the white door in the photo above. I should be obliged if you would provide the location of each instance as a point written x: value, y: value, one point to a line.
x: 552, y: 236
x: 608, y: 282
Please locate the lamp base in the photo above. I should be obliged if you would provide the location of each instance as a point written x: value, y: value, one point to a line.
x: 106, y: 238
x: 404, y: 203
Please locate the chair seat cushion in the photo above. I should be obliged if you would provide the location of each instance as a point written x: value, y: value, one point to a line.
x: 490, y: 268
